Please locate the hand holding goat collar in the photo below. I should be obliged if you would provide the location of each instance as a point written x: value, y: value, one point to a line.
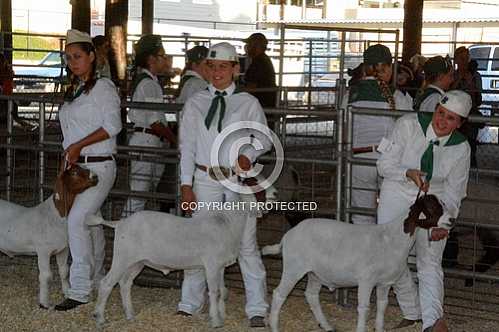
x: 430, y: 206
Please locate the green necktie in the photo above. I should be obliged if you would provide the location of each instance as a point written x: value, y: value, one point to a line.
x: 213, y: 110
x: 427, y: 160
x: 78, y: 91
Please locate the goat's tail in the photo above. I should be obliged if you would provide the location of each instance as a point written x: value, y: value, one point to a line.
x: 95, y: 220
x: 272, y: 250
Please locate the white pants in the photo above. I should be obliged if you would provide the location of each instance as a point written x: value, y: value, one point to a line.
x: 365, y: 177
x: 395, y: 203
x: 87, y: 243
x: 250, y: 261
x: 144, y: 176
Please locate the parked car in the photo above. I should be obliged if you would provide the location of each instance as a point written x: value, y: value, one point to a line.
x: 41, y: 77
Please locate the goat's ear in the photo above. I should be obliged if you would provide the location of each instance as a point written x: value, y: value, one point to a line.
x: 410, y: 225
x: 59, y: 194
x: 69, y: 195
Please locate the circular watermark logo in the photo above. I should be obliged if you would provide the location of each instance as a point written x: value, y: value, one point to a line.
x: 232, y: 142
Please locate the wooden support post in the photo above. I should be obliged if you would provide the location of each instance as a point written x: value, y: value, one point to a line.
x: 116, y: 31
x: 413, y: 28
x: 147, y: 17
x: 6, y: 28
x: 80, y: 15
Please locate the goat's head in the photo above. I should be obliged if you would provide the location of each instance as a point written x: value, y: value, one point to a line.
x: 259, y: 192
x: 70, y: 183
x: 430, y: 207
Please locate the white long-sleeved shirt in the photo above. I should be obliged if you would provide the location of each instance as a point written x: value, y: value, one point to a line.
x: 196, y: 141
x: 192, y: 86
x: 403, y: 151
x: 100, y: 108
x: 430, y: 103
x: 149, y: 91
x: 403, y: 101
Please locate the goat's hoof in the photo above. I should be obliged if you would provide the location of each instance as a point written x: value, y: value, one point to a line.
x: 99, y: 319
x: 216, y: 323
x: 328, y: 328
x: 100, y: 325
x: 130, y: 317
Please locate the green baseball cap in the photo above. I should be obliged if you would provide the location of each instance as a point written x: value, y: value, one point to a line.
x: 377, y: 54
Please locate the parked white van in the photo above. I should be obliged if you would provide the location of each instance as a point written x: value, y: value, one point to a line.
x: 487, y: 58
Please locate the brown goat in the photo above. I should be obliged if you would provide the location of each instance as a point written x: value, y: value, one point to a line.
x: 70, y: 183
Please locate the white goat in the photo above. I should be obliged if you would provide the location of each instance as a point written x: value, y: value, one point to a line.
x: 42, y: 230
x: 338, y: 254
x: 165, y: 242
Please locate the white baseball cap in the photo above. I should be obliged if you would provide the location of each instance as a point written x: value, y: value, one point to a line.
x: 222, y: 51
x: 457, y: 101
x: 76, y: 36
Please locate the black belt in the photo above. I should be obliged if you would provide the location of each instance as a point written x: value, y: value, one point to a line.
x: 147, y: 131
x: 364, y: 149
x: 94, y: 159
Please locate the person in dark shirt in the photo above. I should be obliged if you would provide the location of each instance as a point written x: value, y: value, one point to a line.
x: 467, y: 78
x: 260, y: 73
x: 417, y: 63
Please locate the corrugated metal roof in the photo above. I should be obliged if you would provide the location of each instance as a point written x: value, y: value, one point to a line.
x: 354, y: 22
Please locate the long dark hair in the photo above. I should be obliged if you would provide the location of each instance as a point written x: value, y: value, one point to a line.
x: 74, y: 80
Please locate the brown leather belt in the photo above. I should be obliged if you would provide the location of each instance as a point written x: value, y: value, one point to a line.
x: 93, y: 159
x: 222, y: 172
x: 364, y: 149
x: 147, y: 131
x: 202, y: 167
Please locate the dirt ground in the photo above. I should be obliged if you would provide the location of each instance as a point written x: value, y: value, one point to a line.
x: 155, y: 309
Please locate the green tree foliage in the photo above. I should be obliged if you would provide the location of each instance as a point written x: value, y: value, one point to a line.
x: 33, y: 43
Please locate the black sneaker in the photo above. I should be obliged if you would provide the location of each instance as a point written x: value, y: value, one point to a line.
x: 257, y: 321
x: 183, y: 313
x: 68, y: 304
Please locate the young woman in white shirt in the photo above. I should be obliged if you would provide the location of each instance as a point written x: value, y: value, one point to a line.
x: 150, y: 127
x: 425, y: 153
x: 90, y: 121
